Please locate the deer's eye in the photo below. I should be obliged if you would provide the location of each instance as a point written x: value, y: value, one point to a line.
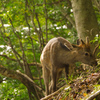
x: 86, y: 54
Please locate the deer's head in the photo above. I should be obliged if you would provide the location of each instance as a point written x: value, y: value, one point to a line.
x: 84, y: 53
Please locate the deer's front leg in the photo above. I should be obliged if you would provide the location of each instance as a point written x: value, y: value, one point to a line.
x: 54, y: 77
x: 46, y: 76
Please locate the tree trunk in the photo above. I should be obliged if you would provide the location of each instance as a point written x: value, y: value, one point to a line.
x: 85, y: 19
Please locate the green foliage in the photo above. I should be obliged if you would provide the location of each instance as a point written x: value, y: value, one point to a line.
x: 13, y: 90
x: 25, y: 28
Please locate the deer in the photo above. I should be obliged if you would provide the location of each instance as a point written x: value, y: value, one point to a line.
x: 57, y: 56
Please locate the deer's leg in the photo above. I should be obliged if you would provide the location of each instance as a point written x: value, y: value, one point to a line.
x: 50, y: 86
x: 66, y: 71
x: 51, y: 83
x: 46, y: 76
x: 53, y: 79
x: 59, y: 74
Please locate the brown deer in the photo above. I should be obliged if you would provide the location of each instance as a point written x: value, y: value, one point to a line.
x: 58, y: 54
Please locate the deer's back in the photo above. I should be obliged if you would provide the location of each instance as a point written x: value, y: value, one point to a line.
x: 52, y: 50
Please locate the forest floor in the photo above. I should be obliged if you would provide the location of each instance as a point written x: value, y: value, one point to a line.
x: 85, y: 87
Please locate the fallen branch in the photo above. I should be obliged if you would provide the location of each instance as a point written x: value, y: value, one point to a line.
x: 94, y: 95
x: 53, y: 94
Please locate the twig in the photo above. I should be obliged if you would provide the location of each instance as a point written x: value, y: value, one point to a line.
x: 2, y: 25
x: 40, y: 32
x: 46, y: 16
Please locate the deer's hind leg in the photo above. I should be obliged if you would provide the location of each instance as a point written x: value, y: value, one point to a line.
x: 66, y: 71
x: 46, y: 77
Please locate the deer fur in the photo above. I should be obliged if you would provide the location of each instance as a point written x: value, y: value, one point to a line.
x: 58, y: 54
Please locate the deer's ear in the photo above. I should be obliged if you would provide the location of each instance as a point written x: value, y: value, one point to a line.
x: 68, y: 47
x: 78, y: 41
x: 82, y: 42
x: 64, y: 46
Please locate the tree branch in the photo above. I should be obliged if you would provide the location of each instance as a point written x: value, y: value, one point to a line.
x: 30, y: 64
x: 28, y: 82
x: 8, y: 57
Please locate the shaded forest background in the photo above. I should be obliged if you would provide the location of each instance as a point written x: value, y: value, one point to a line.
x: 25, y: 28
